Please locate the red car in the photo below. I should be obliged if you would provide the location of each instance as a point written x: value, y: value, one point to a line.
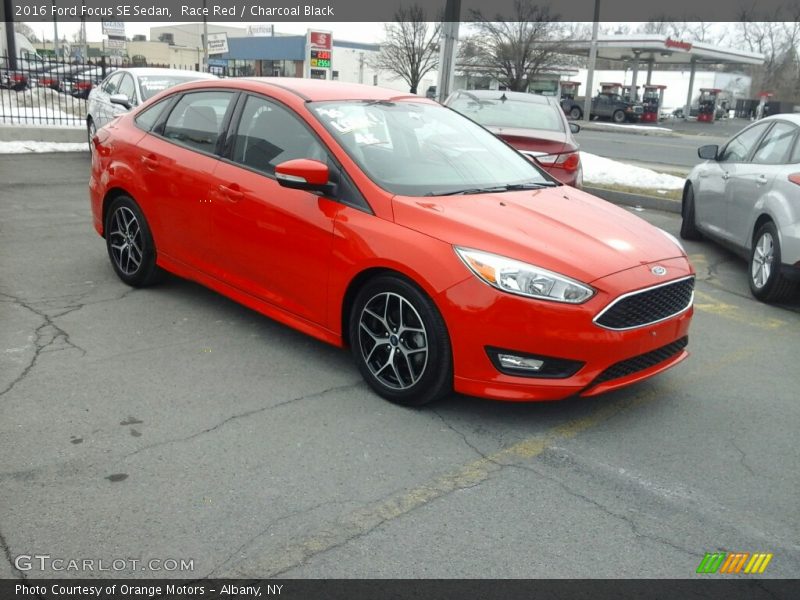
x: 534, y: 125
x: 441, y: 256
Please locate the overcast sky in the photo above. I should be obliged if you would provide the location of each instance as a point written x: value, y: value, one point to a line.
x: 354, y: 32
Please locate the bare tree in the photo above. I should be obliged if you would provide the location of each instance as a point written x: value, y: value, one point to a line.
x: 515, y: 50
x: 410, y: 49
x: 27, y: 31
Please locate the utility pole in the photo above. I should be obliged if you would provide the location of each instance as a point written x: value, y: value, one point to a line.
x: 587, y: 100
x: 205, y: 39
x: 447, y: 52
x: 55, y: 30
x: 11, y: 40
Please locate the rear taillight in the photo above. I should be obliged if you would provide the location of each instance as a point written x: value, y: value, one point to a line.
x: 795, y: 178
x: 569, y: 161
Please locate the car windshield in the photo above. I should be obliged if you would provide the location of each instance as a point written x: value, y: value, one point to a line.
x: 506, y: 112
x: 417, y: 149
x: 150, y: 85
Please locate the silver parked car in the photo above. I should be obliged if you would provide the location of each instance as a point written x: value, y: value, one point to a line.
x: 125, y: 88
x: 746, y: 196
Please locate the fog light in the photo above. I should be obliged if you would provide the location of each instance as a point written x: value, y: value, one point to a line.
x: 509, y: 361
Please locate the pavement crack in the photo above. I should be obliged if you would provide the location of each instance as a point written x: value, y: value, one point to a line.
x: 45, y: 337
x: 635, y: 529
x: 243, y: 415
x: 464, y: 437
x: 743, y: 458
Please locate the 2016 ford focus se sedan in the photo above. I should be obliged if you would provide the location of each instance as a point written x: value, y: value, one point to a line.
x: 443, y: 258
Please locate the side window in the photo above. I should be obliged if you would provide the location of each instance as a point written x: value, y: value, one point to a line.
x: 268, y: 134
x: 774, y: 148
x: 111, y: 84
x: 126, y: 87
x: 196, y: 121
x: 148, y: 117
x: 739, y: 147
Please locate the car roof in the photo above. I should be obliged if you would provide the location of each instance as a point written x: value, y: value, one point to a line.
x: 517, y: 96
x: 793, y: 117
x: 155, y: 71
x: 319, y: 90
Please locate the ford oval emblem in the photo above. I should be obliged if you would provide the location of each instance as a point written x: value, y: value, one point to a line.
x: 658, y: 270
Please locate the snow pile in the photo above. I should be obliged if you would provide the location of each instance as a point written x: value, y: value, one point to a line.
x: 636, y: 127
x: 603, y: 171
x: 41, y: 106
x: 23, y: 147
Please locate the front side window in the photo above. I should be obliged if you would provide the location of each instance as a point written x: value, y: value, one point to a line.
x: 126, y: 88
x: 417, y: 149
x: 268, y: 134
x: 774, y: 148
x: 738, y: 149
x: 502, y: 111
x: 196, y: 121
x: 111, y: 84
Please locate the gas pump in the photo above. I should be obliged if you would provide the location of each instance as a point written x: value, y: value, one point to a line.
x: 611, y: 88
x: 569, y: 90
x: 652, y: 99
x: 630, y: 93
x: 707, y: 111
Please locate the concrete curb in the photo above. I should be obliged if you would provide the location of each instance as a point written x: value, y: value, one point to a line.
x: 636, y: 200
x: 36, y: 133
x: 594, y: 126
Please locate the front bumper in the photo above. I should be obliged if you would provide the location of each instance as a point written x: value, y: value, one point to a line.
x: 479, y: 316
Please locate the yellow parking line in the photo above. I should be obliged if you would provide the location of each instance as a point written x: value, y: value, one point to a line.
x: 707, y: 303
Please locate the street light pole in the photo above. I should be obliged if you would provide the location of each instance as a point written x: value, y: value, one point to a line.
x: 204, y: 68
x: 587, y: 100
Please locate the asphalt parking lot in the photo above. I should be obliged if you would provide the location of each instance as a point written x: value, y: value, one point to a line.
x: 171, y: 423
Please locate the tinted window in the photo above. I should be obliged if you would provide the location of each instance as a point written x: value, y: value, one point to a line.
x: 269, y: 134
x: 147, y: 118
x: 111, y: 84
x: 197, y: 118
x: 739, y: 147
x: 126, y: 87
x: 774, y: 148
x: 500, y: 112
x: 416, y: 148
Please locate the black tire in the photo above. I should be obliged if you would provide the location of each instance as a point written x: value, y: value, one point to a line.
x: 416, y: 345
x: 575, y: 113
x: 130, y: 244
x: 618, y: 116
x: 689, y: 229
x: 91, y: 129
x: 764, y: 268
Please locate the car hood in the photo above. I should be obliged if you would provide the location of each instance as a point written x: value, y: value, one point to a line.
x: 562, y: 229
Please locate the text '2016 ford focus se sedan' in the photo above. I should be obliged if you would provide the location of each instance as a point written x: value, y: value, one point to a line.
x: 441, y: 256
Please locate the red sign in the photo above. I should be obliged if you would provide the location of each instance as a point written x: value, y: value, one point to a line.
x: 321, y: 39
x: 670, y: 43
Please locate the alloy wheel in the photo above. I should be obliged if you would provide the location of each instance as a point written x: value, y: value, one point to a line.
x: 763, y: 255
x: 393, y: 340
x: 125, y: 240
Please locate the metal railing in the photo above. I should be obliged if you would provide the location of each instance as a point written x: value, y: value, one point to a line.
x: 50, y: 92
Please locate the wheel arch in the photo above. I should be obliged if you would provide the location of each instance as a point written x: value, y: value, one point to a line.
x: 110, y: 196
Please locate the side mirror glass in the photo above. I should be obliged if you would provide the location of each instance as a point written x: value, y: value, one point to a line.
x: 708, y: 152
x: 574, y: 127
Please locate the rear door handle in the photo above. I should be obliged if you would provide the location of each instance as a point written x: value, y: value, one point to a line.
x: 150, y: 163
x: 761, y: 179
x: 231, y: 192
x: 725, y: 176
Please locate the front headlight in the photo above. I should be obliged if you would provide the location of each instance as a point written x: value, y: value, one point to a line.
x: 520, y: 278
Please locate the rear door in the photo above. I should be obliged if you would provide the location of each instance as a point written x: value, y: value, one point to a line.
x: 751, y: 181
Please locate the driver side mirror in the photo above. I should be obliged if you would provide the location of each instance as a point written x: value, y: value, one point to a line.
x: 574, y: 127
x: 120, y: 99
x: 304, y: 174
x: 708, y: 152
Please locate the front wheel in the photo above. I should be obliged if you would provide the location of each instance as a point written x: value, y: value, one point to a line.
x: 575, y: 113
x: 689, y: 229
x: 400, y: 342
x: 130, y: 243
x: 766, y: 281
x: 618, y: 116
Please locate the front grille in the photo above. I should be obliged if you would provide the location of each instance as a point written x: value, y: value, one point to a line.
x: 641, y: 362
x: 648, y: 306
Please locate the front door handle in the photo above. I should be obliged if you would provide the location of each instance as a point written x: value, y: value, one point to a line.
x: 231, y: 192
x: 149, y: 162
x: 725, y: 176
x: 761, y: 179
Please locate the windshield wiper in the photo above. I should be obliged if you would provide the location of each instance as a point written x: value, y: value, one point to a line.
x: 509, y: 187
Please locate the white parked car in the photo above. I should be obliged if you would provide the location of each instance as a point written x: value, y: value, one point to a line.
x: 125, y: 88
x: 746, y: 196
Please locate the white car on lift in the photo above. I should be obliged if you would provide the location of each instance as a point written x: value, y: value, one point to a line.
x: 125, y: 88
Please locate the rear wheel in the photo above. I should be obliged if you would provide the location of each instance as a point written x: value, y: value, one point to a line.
x: 766, y: 281
x: 91, y: 129
x: 130, y: 243
x: 575, y: 113
x: 400, y: 342
x: 618, y: 116
x: 689, y: 229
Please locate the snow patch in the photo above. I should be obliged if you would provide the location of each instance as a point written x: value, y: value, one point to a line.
x: 604, y: 171
x: 28, y: 146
